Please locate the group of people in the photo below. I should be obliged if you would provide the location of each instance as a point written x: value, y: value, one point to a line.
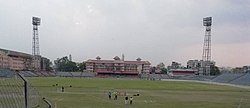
x: 110, y: 95
x: 127, y: 99
x: 130, y: 100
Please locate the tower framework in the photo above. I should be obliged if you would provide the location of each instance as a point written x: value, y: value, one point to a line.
x: 35, y: 44
x: 206, y: 55
x: 35, y: 41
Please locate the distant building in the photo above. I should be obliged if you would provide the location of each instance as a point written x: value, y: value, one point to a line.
x: 17, y: 61
x: 175, y: 65
x: 226, y: 69
x: 70, y: 57
x: 159, y: 67
x: 182, y: 72
x: 203, y: 67
x: 117, y: 66
x: 243, y: 69
x: 246, y: 69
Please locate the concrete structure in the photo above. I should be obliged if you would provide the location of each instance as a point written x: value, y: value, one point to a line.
x: 17, y: 61
x: 182, y: 72
x: 202, y: 66
x: 159, y: 67
x: 175, y: 65
x: 118, y: 66
x: 206, y: 54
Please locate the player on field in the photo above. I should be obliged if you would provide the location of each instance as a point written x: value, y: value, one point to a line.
x: 126, y: 100
x: 109, y: 94
x: 131, y: 100
x: 115, y: 95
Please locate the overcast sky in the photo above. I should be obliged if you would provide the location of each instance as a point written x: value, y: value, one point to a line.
x: 154, y: 30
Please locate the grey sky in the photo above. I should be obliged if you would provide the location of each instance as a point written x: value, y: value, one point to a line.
x: 155, y: 30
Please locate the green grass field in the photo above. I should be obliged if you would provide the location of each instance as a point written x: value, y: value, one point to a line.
x: 92, y: 93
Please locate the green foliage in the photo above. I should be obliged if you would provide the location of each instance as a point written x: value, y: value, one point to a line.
x: 214, y: 70
x: 164, y: 70
x: 65, y: 65
x: 81, y: 66
x: 152, y: 69
x: 48, y: 64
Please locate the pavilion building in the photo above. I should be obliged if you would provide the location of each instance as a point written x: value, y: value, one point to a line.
x: 117, y: 66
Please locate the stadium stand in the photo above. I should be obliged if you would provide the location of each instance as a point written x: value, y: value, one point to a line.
x: 154, y: 76
x: 227, y: 77
x: 38, y: 74
x: 243, y: 80
x: 64, y: 74
x: 164, y: 76
x: 195, y: 77
x: 28, y: 74
x: 231, y: 78
x: 48, y: 74
x: 44, y: 73
x: 76, y: 74
x: 51, y: 74
x: 6, y: 73
x: 88, y: 74
x: 13, y: 91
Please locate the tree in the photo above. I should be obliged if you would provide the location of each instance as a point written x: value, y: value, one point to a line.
x: 164, y: 70
x: 81, y: 66
x: 65, y: 65
x: 152, y: 69
x: 214, y: 70
x: 48, y: 64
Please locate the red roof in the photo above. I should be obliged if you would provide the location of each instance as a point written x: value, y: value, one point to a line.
x: 118, y: 61
x: 117, y: 72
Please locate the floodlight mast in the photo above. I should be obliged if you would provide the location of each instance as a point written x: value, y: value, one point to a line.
x: 35, y: 44
x: 206, y: 55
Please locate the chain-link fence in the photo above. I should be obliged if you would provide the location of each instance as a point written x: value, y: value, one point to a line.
x: 16, y: 92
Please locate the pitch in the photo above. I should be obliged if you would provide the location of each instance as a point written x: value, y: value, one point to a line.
x: 92, y: 93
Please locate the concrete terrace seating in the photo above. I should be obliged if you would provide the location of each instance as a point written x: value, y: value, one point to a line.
x: 52, y: 74
x: 6, y: 73
x: 165, y: 76
x: 155, y: 76
x: 227, y: 77
x: 88, y: 74
x: 76, y: 74
x: 32, y: 73
x: 243, y: 80
x: 144, y: 76
x: 48, y: 74
x: 63, y: 74
x: 38, y: 74
x: 28, y: 74
x: 196, y: 77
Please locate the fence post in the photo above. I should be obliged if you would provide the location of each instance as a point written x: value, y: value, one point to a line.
x: 26, y: 95
x: 47, y: 102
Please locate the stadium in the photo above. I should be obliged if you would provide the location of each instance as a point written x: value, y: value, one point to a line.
x: 106, y: 83
x: 159, y: 31
x: 85, y: 90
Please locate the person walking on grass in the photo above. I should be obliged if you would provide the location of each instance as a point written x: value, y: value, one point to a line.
x: 109, y: 94
x: 126, y: 100
x: 115, y: 95
x: 62, y: 89
x: 131, y: 100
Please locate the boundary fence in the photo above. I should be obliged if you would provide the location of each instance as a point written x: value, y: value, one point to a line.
x: 16, y: 92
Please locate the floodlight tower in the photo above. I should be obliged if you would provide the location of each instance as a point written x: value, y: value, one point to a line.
x: 35, y: 42
x: 206, y: 55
